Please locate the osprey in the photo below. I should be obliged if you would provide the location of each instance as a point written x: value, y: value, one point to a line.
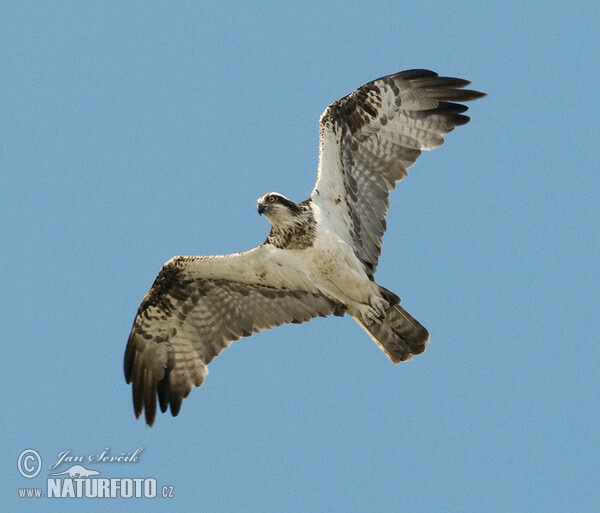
x: 320, y: 256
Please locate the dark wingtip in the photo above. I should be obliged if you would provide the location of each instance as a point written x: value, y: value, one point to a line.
x: 128, y: 358
x: 458, y: 95
x: 412, y: 74
x: 442, y: 88
x: 473, y: 95
x: 163, y: 390
x: 175, y: 406
x: 436, y: 82
x: 138, y: 396
x: 459, y: 119
x: 149, y: 397
x: 150, y: 416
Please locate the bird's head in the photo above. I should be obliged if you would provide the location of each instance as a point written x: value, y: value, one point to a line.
x: 278, y: 209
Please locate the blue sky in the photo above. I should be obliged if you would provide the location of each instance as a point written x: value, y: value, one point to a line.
x: 133, y: 132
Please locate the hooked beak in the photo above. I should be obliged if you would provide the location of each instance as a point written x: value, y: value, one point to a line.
x: 261, y: 207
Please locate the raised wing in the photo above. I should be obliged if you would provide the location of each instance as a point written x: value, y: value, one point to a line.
x: 196, y: 307
x: 369, y: 139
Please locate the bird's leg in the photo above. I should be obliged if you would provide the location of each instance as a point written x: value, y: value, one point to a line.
x: 373, y: 312
x: 372, y: 308
x: 370, y: 315
x: 379, y: 304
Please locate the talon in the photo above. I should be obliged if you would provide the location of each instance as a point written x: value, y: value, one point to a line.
x: 380, y: 306
x: 371, y: 316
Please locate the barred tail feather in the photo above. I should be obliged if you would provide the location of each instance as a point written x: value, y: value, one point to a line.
x: 400, y: 335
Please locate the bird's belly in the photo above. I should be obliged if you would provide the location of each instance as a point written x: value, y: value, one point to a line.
x: 335, y: 270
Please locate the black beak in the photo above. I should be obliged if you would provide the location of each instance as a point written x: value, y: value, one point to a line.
x: 261, y: 207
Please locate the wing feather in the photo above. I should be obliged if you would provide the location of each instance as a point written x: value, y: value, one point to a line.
x: 368, y: 141
x: 196, y: 307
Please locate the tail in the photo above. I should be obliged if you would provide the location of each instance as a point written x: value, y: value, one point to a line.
x: 400, y: 335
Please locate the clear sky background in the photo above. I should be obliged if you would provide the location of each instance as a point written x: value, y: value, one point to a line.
x: 131, y: 132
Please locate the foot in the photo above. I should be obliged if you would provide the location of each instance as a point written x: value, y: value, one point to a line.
x: 375, y: 311
x: 380, y: 305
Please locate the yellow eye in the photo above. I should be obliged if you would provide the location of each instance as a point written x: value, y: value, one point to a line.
x: 271, y: 199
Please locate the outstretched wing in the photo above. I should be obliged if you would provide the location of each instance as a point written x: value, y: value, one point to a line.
x: 196, y: 307
x: 369, y: 139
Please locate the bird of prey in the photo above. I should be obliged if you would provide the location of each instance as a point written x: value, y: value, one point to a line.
x: 320, y: 256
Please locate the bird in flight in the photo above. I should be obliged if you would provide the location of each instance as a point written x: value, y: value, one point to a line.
x: 320, y: 256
